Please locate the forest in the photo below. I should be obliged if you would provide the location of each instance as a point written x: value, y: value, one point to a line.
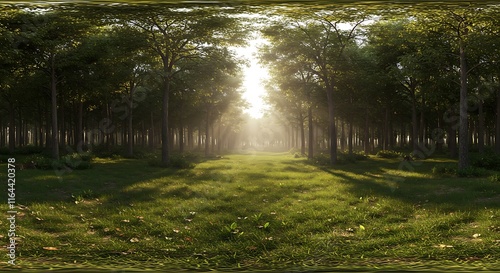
x: 82, y: 77
x: 129, y: 137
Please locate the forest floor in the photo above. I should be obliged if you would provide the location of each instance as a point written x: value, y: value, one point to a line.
x: 255, y: 211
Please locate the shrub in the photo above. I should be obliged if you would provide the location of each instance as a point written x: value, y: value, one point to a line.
x: 77, y: 161
x: 39, y: 161
x: 177, y: 161
x: 73, y: 161
x: 4, y: 158
x: 4, y: 151
x: 447, y: 169
x: 322, y: 159
x: 494, y: 178
x: 388, y: 154
x: 490, y: 161
x: 344, y: 158
x: 104, y: 151
x: 141, y: 153
x: 471, y: 172
x: 451, y: 169
x: 29, y: 150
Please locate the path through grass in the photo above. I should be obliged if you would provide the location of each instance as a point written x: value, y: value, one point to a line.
x: 255, y: 211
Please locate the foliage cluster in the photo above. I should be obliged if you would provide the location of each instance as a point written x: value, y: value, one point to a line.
x: 489, y: 160
x: 323, y: 159
x: 74, y: 161
x: 389, y: 154
x: 452, y: 170
x: 177, y: 161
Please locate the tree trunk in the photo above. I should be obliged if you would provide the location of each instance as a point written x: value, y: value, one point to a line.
x: 181, y: 136
x: 47, y: 128
x: 386, y: 134
x: 366, y: 140
x: 2, y: 134
x: 19, y: 128
x: 342, y: 136
x: 480, y: 128
x: 403, y: 135
x: 423, y: 139
x: 331, y: 124
x: 62, y: 126
x: 302, y: 134
x: 165, y: 151
x: 12, y: 130
x: 219, y: 140
x: 207, y: 136
x: 349, y: 140
x: 414, y: 122
x: 190, y: 137
x: 53, y: 91
x: 199, y: 136
x: 310, y: 153
x: 40, y: 126
x: 79, y: 129
x: 130, y: 143
x: 452, y: 142
x: 151, y: 132
x: 497, y: 127
x: 463, y: 138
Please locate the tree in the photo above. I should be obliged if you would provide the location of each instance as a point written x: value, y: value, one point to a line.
x: 319, y: 39
x: 177, y: 34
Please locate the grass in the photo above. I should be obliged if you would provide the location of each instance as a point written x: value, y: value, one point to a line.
x: 256, y: 211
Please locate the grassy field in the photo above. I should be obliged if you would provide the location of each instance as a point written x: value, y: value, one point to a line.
x: 255, y: 211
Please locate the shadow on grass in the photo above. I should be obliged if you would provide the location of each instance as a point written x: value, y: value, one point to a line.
x: 384, y: 178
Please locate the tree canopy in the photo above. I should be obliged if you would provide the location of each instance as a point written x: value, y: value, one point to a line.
x: 350, y: 76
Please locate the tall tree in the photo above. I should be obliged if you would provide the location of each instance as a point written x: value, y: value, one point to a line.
x: 177, y: 34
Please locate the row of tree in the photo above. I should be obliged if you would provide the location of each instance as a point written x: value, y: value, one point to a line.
x: 86, y: 75
x: 163, y: 75
x: 417, y: 74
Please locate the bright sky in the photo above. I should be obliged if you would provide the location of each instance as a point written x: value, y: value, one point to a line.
x: 253, y: 82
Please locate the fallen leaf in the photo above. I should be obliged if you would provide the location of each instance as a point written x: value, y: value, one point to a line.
x: 443, y: 246
x: 477, y: 235
x: 134, y: 240
x: 51, y: 248
x: 126, y: 221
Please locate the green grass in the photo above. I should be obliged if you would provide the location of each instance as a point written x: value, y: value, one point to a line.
x: 256, y: 211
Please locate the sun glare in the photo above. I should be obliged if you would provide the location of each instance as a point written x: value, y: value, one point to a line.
x: 255, y: 74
